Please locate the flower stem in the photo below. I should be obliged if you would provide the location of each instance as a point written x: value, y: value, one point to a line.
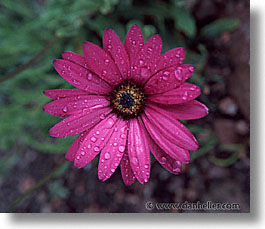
x: 43, y: 181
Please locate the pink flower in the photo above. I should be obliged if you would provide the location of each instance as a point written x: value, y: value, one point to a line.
x: 127, y: 100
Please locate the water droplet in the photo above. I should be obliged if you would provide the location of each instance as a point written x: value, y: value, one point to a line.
x: 191, y: 68
x: 115, y: 143
x: 88, y: 146
x: 146, y: 166
x: 104, y: 72
x: 93, y: 139
x: 97, y: 132
x: 133, y: 42
x: 76, y: 82
x: 144, y: 72
x: 141, y: 62
x: 107, y: 156
x: 112, y: 170
x: 65, y: 109
x: 178, y: 74
x: 121, y: 148
x: 102, y: 116
x: 134, y: 160
x: 123, y: 136
x: 89, y: 76
x: 106, y: 61
x: 185, y: 96
x: 110, y: 123
x: 149, y: 49
x: 163, y: 160
x: 83, y: 153
x: 96, y: 149
x: 109, y: 47
x: 145, y: 180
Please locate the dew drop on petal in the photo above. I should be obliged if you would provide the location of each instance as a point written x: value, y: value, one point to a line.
x: 121, y: 148
x: 163, y: 160
x: 178, y: 74
x: 102, y: 116
x: 134, y: 160
x: 123, y: 136
x: 65, y: 109
x: 191, y: 68
x: 89, y: 76
x: 107, y: 156
x: 144, y: 72
x: 93, y: 139
x: 96, y: 149
x: 112, y: 170
x: 193, y: 88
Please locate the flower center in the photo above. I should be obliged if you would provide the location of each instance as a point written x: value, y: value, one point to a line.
x: 127, y: 100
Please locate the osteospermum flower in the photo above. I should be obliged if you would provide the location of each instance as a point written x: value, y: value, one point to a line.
x: 127, y: 100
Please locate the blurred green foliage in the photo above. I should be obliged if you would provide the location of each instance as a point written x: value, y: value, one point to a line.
x: 26, y: 27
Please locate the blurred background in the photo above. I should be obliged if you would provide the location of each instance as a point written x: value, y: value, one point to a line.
x: 34, y: 176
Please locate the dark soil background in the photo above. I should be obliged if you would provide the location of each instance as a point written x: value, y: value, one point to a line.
x: 215, y: 176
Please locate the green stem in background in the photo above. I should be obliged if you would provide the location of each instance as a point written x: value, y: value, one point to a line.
x: 31, y: 61
x: 43, y: 181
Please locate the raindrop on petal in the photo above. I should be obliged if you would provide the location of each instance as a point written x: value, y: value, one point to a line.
x: 107, y: 156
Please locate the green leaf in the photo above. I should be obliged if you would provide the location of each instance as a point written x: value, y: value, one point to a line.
x: 184, y: 21
x: 218, y: 27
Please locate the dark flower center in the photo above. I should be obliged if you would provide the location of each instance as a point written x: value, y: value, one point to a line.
x: 127, y: 100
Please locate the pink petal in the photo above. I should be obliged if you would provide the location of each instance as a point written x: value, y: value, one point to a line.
x: 81, y: 77
x: 164, y: 159
x: 63, y: 93
x: 172, y: 129
x: 170, y: 58
x: 95, y: 141
x: 79, y: 122
x: 168, y: 79
x: 75, y: 58
x: 138, y: 151
x: 71, y: 153
x: 164, y: 143
x: 113, y: 46
x: 71, y: 105
x: 133, y: 42
x: 189, y: 110
x: 126, y: 170
x: 112, y: 153
x: 101, y: 63
x: 185, y: 92
x: 144, y: 65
